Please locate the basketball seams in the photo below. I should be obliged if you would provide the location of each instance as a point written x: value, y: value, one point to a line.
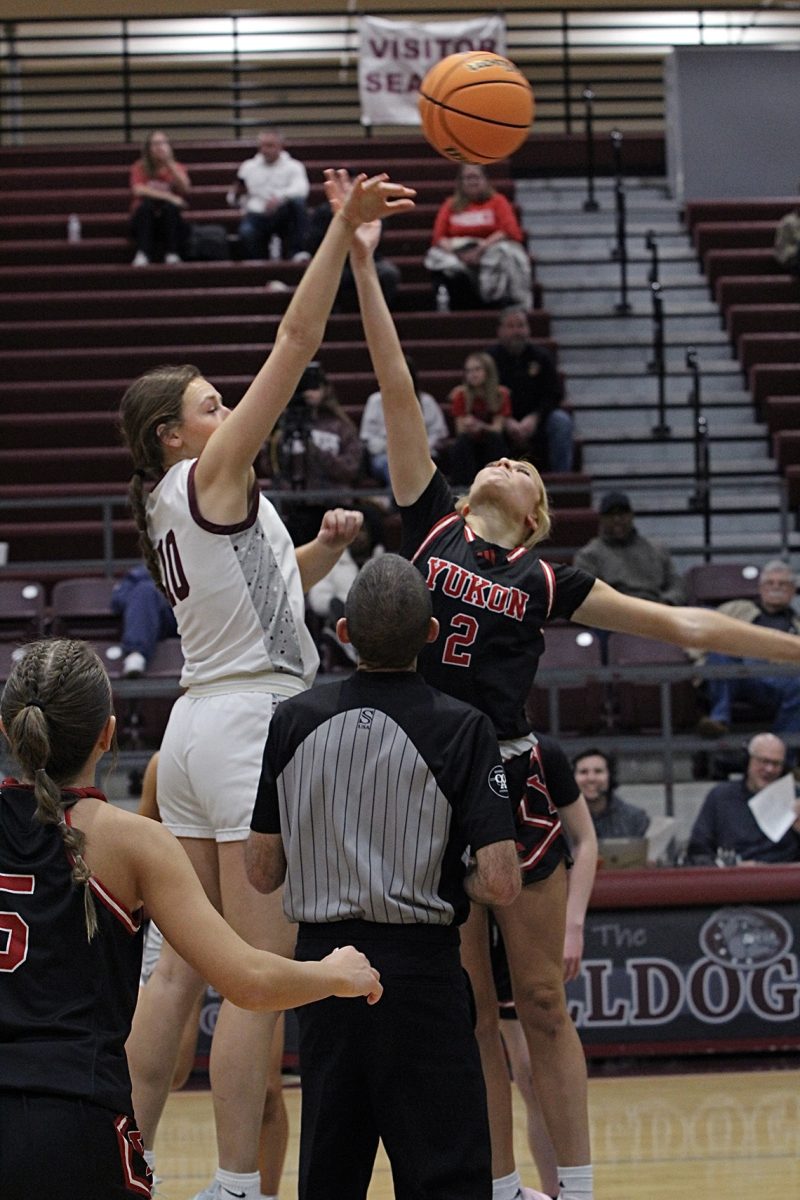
x: 476, y: 116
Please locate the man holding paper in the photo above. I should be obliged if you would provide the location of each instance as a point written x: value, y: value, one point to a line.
x: 755, y: 819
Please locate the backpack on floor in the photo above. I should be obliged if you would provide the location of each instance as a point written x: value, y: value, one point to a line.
x: 208, y: 243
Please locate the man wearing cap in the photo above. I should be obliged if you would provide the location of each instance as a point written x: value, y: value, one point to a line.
x: 621, y: 557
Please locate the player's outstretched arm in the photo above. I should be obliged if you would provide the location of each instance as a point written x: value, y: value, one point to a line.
x: 230, y: 452
x: 410, y: 464
x: 692, y: 628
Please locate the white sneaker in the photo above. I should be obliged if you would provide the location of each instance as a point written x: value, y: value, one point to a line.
x: 216, y: 1191
x: 134, y: 665
x: 171, y: 259
x: 532, y: 1194
x: 140, y: 259
x: 302, y: 256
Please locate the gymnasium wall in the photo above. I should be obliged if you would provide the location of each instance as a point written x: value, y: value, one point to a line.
x: 733, y: 122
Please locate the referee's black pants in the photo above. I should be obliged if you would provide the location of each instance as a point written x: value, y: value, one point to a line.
x: 405, y: 1070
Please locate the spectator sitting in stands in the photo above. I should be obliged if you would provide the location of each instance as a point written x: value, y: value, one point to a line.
x: 612, y: 816
x: 725, y: 830
x: 539, y: 427
x: 315, y: 446
x: 346, y: 299
x: 787, y: 241
x: 781, y: 693
x: 147, y: 618
x: 626, y: 560
x: 160, y: 186
x: 373, y: 427
x: 478, y: 248
x: 272, y: 188
x: 480, y: 407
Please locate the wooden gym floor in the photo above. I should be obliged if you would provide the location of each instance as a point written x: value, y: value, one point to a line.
x: 655, y: 1137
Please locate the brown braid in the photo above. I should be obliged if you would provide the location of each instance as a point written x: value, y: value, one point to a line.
x: 54, y: 706
x: 152, y: 400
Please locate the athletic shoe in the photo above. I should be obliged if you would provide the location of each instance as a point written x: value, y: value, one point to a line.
x: 302, y: 256
x: 134, y: 665
x: 140, y: 259
x: 532, y: 1194
x: 171, y: 259
x: 216, y: 1191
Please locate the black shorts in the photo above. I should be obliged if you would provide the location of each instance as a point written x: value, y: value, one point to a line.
x: 540, y: 840
x: 500, y: 972
x: 61, y: 1148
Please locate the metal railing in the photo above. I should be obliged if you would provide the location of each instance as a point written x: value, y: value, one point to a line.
x: 113, y: 78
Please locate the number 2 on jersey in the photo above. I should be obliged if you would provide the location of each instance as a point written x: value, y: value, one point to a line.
x: 454, y: 653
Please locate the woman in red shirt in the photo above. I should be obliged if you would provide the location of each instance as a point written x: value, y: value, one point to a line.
x: 478, y: 248
x: 160, y: 186
x: 479, y: 407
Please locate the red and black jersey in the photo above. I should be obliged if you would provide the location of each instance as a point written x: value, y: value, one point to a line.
x: 66, y: 1003
x: 491, y: 604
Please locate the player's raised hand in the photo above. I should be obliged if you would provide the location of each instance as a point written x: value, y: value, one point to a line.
x: 358, y: 978
x: 340, y: 526
x: 361, y: 200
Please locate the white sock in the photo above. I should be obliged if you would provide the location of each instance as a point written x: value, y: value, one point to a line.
x: 247, y: 1186
x: 508, y: 1187
x: 576, y: 1183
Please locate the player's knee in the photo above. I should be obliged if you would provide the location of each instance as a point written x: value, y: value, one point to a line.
x: 542, y: 1009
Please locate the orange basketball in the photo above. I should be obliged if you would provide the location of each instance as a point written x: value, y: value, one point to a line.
x: 476, y: 107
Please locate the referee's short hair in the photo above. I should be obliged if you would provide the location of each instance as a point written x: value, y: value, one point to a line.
x: 388, y: 611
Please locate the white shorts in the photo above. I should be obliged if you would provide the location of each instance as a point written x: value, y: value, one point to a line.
x: 153, y: 941
x: 210, y: 763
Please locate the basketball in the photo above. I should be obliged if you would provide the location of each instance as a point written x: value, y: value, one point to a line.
x: 476, y: 107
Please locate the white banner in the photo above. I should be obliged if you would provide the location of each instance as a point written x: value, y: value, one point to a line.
x: 394, y: 57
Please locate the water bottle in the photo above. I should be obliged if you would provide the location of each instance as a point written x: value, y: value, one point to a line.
x: 297, y: 461
x: 74, y: 228
x: 275, y: 248
x: 442, y: 299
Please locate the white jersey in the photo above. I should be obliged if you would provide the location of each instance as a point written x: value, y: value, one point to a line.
x: 235, y: 589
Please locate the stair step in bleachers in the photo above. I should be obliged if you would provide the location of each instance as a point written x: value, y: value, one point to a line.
x: 761, y: 318
x: 218, y: 359
x: 185, y: 330
x: 735, y: 261
x: 756, y: 208
x: 756, y: 289
x: 782, y: 412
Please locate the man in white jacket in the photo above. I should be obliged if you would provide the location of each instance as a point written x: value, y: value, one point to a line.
x: 271, y: 188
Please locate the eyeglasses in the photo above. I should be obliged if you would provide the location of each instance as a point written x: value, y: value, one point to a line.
x: 768, y: 762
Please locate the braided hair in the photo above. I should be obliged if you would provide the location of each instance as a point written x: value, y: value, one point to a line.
x: 54, y: 706
x: 152, y: 400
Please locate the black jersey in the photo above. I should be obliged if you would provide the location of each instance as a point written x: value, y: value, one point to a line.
x: 378, y: 783
x: 491, y: 604
x: 66, y: 1003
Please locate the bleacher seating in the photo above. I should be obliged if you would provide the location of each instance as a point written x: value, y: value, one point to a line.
x: 77, y: 322
x: 758, y: 300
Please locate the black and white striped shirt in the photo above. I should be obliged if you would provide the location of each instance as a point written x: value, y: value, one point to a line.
x: 377, y: 784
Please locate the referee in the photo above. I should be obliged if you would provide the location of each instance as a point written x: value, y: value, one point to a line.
x: 372, y: 790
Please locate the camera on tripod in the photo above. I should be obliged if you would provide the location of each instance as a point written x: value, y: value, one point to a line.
x: 295, y: 426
